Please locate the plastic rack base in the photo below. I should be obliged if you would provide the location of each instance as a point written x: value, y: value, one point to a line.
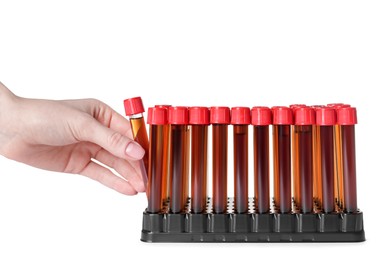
x: 253, y: 227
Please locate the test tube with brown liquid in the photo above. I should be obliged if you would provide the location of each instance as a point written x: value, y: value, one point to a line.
x: 166, y: 158
x: 304, y: 118
x: 317, y: 175
x: 199, y: 121
x: 220, y: 119
x: 282, y: 120
x: 157, y: 119
x: 295, y: 160
x: 134, y: 108
x: 346, y: 119
x: 261, y: 118
x: 178, y: 118
x: 338, y: 165
x: 240, y: 119
x: 325, y: 120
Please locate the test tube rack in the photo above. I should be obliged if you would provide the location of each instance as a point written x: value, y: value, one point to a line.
x: 251, y: 227
x: 293, y: 216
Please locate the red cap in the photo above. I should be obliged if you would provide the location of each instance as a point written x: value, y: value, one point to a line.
x: 304, y: 116
x: 157, y: 116
x: 294, y: 106
x: 199, y: 116
x: 261, y: 116
x: 240, y: 116
x: 282, y: 115
x: 317, y: 106
x: 325, y: 116
x: 178, y: 115
x: 220, y: 115
x: 163, y: 106
x: 346, y: 116
x: 133, y: 106
x: 338, y: 105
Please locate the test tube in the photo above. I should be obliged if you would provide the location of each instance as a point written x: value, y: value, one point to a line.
x: 178, y: 119
x: 346, y: 119
x: 261, y: 118
x: 295, y: 160
x: 304, y: 119
x: 220, y: 119
x: 134, y: 108
x: 317, y: 171
x: 325, y: 120
x: 199, y: 121
x: 166, y: 158
x: 157, y: 119
x: 338, y: 164
x: 282, y: 120
x: 240, y: 119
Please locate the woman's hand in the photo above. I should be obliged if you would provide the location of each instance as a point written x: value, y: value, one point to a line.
x: 73, y: 136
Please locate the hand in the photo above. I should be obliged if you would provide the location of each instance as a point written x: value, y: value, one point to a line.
x: 71, y: 136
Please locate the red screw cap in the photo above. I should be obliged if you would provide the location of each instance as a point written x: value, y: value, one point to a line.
x: 178, y: 115
x: 134, y: 106
x: 325, y: 116
x: 304, y: 116
x: 294, y: 106
x: 346, y: 116
x: 282, y: 115
x: 220, y: 115
x: 261, y: 116
x: 240, y: 116
x: 338, y: 105
x: 199, y: 116
x: 157, y: 116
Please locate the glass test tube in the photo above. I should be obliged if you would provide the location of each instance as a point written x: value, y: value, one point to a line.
x: 134, y: 108
x: 179, y: 146
x: 261, y: 118
x: 338, y: 166
x: 325, y: 120
x: 240, y: 119
x: 295, y: 160
x: 346, y: 119
x: 199, y: 121
x: 166, y: 159
x: 220, y: 119
x: 317, y: 177
x: 282, y: 120
x: 304, y: 119
x: 157, y: 119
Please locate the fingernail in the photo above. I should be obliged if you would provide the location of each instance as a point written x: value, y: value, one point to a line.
x: 135, y: 151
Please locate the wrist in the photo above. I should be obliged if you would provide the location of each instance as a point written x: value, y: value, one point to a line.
x: 8, y: 113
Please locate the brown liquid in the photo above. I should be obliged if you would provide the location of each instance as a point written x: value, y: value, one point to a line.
x: 295, y: 169
x: 327, y: 166
x: 304, y: 143
x: 241, y: 168
x: 338, y: 167
x: 140, y: 135
x: 317, y: 176
x: 179, y: 189
x: 349, y: 167
x: 199, y: 155
x: 155, y: 169
x: 220, y: 167
x: 166, y: 163
x: 282, y: 167
x: 261, y: 169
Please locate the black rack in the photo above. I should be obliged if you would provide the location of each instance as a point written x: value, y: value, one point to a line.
x: 251, y: 226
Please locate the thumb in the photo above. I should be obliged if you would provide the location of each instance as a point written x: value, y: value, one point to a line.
x: 112, y: 141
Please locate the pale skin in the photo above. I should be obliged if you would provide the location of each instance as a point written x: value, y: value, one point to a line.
x: 71, y: 136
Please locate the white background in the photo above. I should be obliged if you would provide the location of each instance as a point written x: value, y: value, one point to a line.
x: 188, y: 53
